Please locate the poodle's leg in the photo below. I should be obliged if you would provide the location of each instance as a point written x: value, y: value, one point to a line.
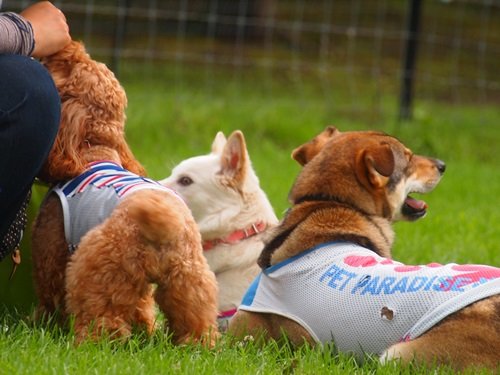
x: 145, y: 312
x: 50, y: 256
x: 172, y: 257
x: 88, y: 326
x: 187, y: 295
x: 109, y: 310
x: 96, y: 310
x: 106, y: 288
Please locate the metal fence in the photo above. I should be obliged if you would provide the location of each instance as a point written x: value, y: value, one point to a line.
x: 450, y: 48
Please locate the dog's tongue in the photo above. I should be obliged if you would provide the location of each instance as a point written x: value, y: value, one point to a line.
x: 416, y: 204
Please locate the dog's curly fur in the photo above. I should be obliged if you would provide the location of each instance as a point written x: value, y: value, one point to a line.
x: 92, y: 116
x: 150, y: 237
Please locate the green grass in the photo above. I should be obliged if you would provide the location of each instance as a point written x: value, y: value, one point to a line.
x: 170, y: 119
x: 45, y: 349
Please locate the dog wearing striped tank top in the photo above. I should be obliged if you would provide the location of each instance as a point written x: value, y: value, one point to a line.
x: 105, y: 234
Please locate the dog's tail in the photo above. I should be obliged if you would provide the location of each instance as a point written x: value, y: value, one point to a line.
x: 161, y: 216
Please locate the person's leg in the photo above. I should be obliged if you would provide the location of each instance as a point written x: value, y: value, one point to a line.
x: 29, y: 120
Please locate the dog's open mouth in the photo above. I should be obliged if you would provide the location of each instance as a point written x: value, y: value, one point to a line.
x: 413, y: 208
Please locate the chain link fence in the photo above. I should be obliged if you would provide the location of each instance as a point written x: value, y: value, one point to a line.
x: 356, y: 46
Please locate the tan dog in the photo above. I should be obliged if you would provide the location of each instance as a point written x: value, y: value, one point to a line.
x: 104, y: 234
x: 328, y: 275
x: 232, y: 212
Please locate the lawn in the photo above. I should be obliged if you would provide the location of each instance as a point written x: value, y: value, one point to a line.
x: 169, y: 122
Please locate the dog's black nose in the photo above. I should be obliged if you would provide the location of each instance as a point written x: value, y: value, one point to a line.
x: 440, y: 165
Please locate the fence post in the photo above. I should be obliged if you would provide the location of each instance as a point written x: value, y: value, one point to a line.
x: 410, y: 58
x: 121, y: 23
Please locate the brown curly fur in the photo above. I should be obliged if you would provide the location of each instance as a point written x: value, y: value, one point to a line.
x: 92, y: 116
x: 150, y: 237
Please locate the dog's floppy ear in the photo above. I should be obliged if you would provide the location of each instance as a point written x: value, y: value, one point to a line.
x: 218, y: 143
x: 92, y: 115
x: 374, y: 165
x: 303, y: 154
x: 77, y: 75
x: 234, y: 158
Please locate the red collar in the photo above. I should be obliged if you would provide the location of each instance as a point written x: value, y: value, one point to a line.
x: 227, y: 314
x: 236, y: 236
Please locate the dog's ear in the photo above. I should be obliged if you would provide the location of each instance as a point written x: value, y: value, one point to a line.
x: 234, y: 158
x: 58, y: 64
x: 92, y: 115
x: 218, y: 143
x: 77, y: 75
x: 374, y: 165
x: 66, y: 158
x: 303, y: 154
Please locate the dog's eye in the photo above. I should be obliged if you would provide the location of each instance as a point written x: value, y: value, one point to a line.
x: 185, y: 181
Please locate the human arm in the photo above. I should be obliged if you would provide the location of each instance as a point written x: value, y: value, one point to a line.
x: 39, y: 30
x: 51, y: 32
x: 16, y: 35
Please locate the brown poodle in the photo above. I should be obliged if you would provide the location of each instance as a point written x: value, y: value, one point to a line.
x: 101, y: 267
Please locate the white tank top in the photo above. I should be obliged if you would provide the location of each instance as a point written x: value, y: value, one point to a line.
x: 347, y: 294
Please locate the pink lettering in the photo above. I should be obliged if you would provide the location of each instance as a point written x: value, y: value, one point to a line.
x: 360, y: 261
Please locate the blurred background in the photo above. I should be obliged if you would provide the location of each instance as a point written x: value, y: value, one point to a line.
x: 281, y: 70
x: 357, y: 47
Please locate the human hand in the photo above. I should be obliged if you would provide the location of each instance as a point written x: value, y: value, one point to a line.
x: 51, y: 32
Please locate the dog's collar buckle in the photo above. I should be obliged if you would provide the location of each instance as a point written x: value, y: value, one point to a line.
x: 236, y: 236
x: 251, y: 231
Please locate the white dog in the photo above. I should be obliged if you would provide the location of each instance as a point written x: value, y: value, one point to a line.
x: 231, y: 210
